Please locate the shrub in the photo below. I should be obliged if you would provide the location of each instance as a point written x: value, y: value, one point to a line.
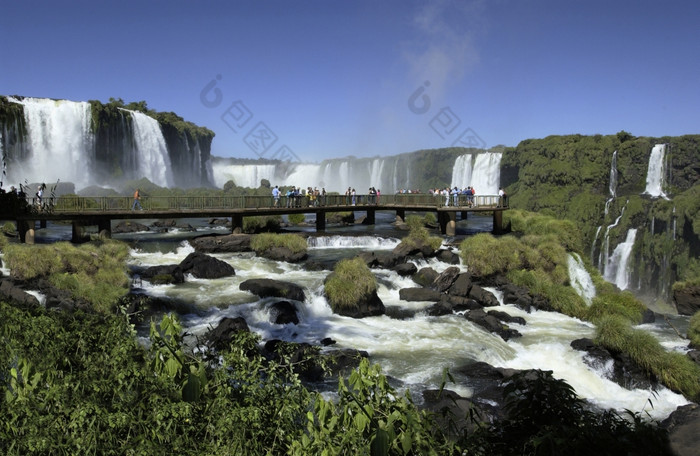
x: 623, y: 304
x: 561, y: 298
x: 296, y: 219
x: 350, y: 281
x: 258, y: 224
x: 418, y: 235
x: 9, y: 228
x: 694, y: 330
x: 265, y: 241
x: 485, y: 254
x: 31, y: 261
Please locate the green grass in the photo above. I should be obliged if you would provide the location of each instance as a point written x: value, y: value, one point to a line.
x: 257, y: 224
x: 611, y: 303
x: 694, y: 330
x: 95, y: 271
x: 296, y: 219
x: 562, y: 298
x: 350, y: 281
x: 265, y: 241
x: 675, y: 370
x: 485, y: 254
x: 418, y: 235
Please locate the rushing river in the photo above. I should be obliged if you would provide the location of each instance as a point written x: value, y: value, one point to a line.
x: 409, y: 345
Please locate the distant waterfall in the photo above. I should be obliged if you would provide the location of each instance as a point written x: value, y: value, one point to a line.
x: 244, y: 175
x: 655, y: 172
x: 60, y: 142
x: 482, y: 172
x: 617, y: 270
x: 152, y: 159
x: 605, y: 246
x: 612, y: 186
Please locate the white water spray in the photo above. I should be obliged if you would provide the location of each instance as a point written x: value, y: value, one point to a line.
x: 152, y: 158
x: 655, y: 172
x: 617, y: 269
x: 580, y: 279
x: 483, y: 172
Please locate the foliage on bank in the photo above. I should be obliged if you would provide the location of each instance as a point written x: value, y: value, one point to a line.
x: 350, y: 281
x: 265, y: 241
x: 95, y: 271
x: 418, y: 234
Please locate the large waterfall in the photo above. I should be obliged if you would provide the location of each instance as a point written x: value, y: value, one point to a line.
x: 60, y: 142
x: 87, y: 143
x: 655, y: 173
x: 151, y: 157
x: 479, y: 171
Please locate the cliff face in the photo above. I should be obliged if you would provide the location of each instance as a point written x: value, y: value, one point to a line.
x: 602, y: 182
x: 106, y: 142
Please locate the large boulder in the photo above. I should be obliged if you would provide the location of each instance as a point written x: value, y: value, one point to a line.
x: 381, y: 259
x: 266, y: 288
x: 425, y: 276
x: 222, y: 336
x: 168, y: 273
x: 10, y: 292
x: 483, y: 297
x: 222, y: 244
x: 683, y: 428
x: 419, y: 294
x: 127, y: 226
x: 284, y: 312
x: 405, y: 269
x: 204, y: 266
x: 687, y: 300
x: 444, y: 281
x: 447, y: 256
x: 285, y: 254
x: 461, y: 285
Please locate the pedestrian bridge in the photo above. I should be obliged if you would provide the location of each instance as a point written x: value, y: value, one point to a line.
x: 89, y: 211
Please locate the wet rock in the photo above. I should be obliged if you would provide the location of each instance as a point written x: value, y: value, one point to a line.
x: 224, y: 333
x: 266, y: 288
x: 505, y: 317
x: 163, y: 274
x: 129, y: 227
x: 483, y: 297
x: 425, y: 276
x: 419, y: 294
x: 204, y: 266
x: 491, y: 324
x: 222, y: 244
x: 405, y: 269
x: 447, y: 256
x: 687, y: 300
x: 11, y: 292
x: 461, y: 285
x: 445, y: 280
x: 683, y: 426
x: 381, y: 259
x: 283, y: 254
x: 284, y: 312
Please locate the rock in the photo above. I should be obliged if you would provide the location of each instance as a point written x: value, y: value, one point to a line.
x: 683, y: 428
x: 204, y: 266
x: 695, y: 356
x: 219, y: 221
x: 461, y: 285
x: 405, y: 269
x: 342, y: 361
x: 222, y: 244
x: 165, y: 223
x: 169, y: 273
x: 491, y: 324
x: 381, y: 259
x: 10, y: 292
x: 283, y: 254
x: 687, y: 300
x: 444, y: 281
x: 425, y: 276
x: 129, y: 227
x: 483, y: 297
x: 327, y: 341
x: 447, y: 256
x: 266, y: 288
x: 419, y: 294
x: 505, y: 317
x: 222, y: 336
x: 452, y: 412
x: 284, y: 312
x: 419, y: 248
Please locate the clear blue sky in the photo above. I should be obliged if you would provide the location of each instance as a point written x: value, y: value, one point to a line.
x: 334, y: 78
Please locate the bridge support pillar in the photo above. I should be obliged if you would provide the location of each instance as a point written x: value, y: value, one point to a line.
x: 370, y: 220
x: 400, y: 213
x: 497, y: 222
x: 463, y: 215
x: 237, y: 223
x: 25, y: 230
x: 320, y: 220
x: 42, y: 223
x: 451, y: 226
x: 78, y: 232
x: 104, y: 228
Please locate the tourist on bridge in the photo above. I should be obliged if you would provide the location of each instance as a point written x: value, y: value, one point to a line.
x: 137, y: 200
x: 276, y: 196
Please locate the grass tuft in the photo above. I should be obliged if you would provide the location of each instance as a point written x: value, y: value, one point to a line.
x: 350, y: 281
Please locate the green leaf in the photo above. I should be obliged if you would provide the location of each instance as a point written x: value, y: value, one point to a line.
x: 192, y: 389
x: 380, y: 443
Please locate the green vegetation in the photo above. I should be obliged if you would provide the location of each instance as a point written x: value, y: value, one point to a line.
x: 265, y: 241
x: 77, y: 383
x: 258, y: 224
x: 296, y: 219
x: 350, y: 281
x: 622, y: 304
x: 675, y: 370
x: 418, y: 235
x: 694, y: 330
x: 95, y: 272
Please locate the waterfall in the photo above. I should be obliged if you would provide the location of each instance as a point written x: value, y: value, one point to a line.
x: 60, y: 139
x: 595, y: 238
x: 484, y: 174
x: 605, y: 247
x: 345, y: 242
x: 244, y: 175
x: 580, y: 279
x: 618, y: 264
x: 612, y: 186
x: 151, y: 152
x: 655, y: 172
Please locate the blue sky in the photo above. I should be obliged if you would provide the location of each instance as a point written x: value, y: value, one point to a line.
x: 324, y: 79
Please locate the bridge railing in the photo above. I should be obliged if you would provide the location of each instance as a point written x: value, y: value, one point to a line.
x: 175, y: 203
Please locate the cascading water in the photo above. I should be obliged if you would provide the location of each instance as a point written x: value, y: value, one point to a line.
x: 244, y: 175
x: 580, y: 279
x: 484, y: 174
x: 605, y: 247
x: 612, y: 186
x: 655, y: 172
x: 617, y: 269
x: 61, y: 142
x: 152, y: 159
